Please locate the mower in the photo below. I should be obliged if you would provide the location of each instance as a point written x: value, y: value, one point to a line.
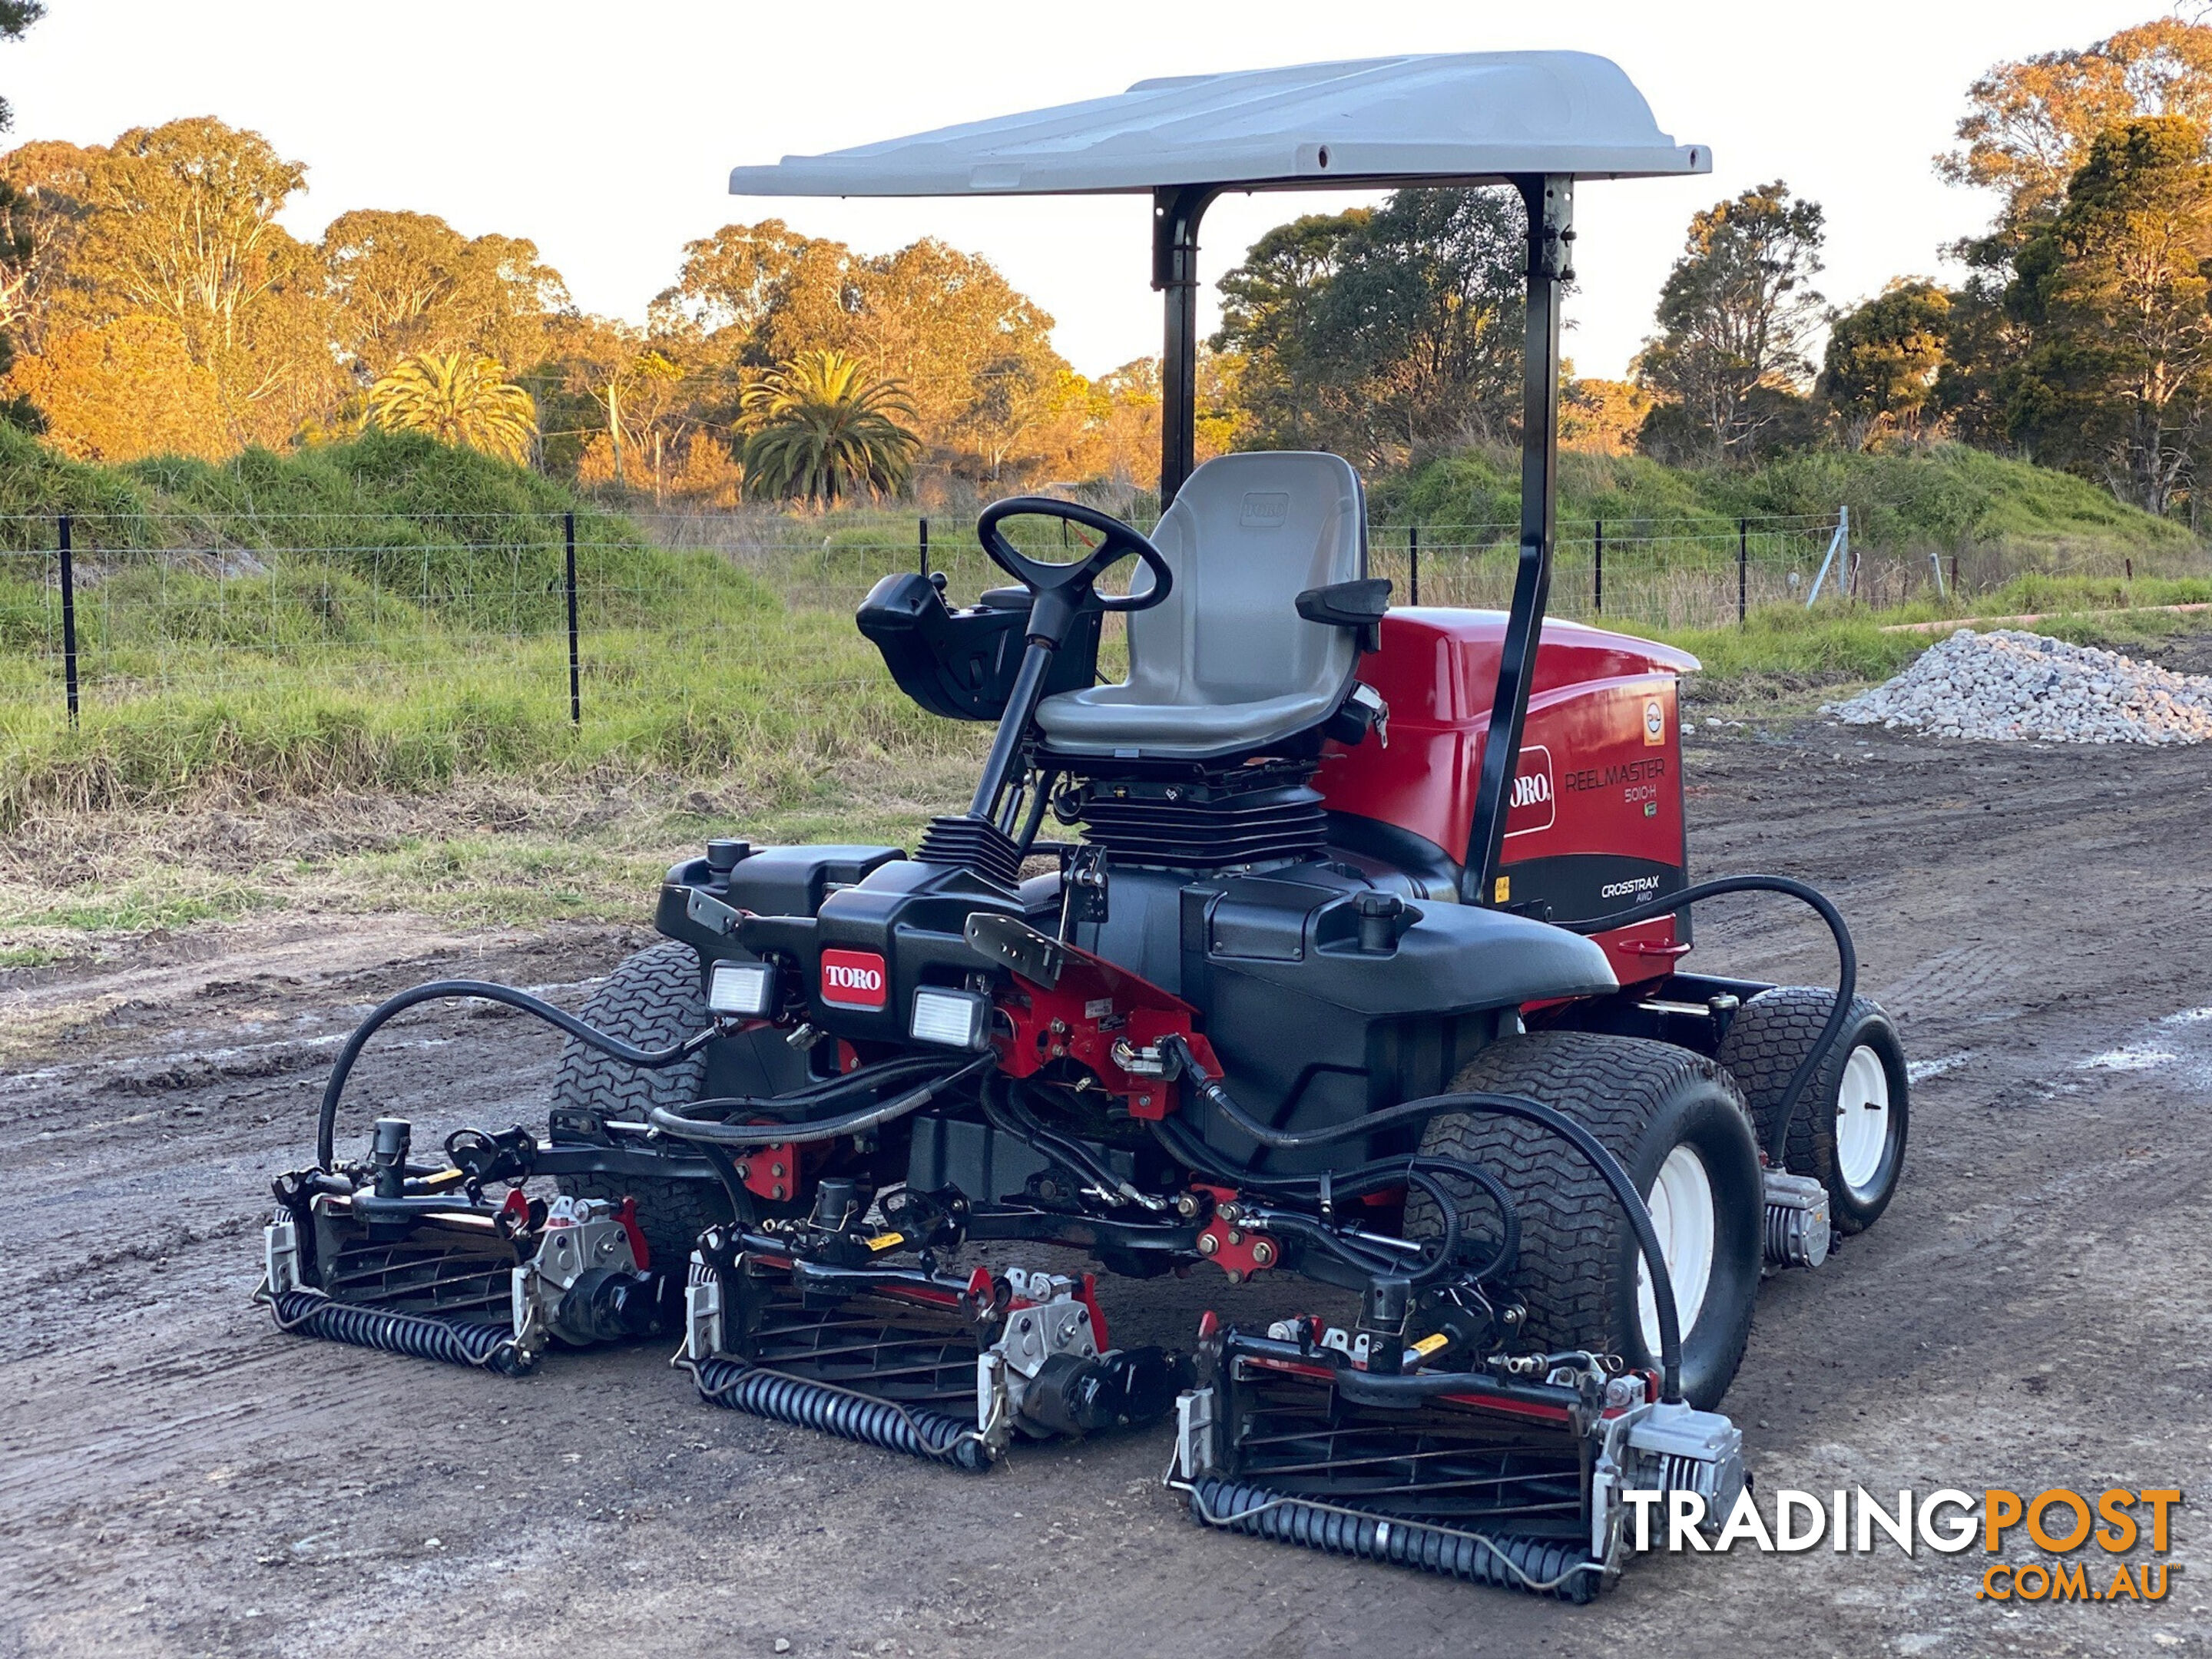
x: 1363, y: 963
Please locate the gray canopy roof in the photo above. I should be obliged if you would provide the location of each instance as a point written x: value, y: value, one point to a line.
x: 1381, y: 121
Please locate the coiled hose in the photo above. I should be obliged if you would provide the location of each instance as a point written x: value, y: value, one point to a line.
x: 474, y: 1343
x: 1544, y: 1566
x: 1847, y: 974
x: 804, y: 1403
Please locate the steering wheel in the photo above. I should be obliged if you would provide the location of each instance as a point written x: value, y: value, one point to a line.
x: 1073, y: 584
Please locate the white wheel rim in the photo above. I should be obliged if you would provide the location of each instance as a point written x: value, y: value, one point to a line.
x: 1861, y: 1120
x: 1681, y: 1205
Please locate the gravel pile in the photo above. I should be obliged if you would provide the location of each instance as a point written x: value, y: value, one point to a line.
x: 2006, y: 685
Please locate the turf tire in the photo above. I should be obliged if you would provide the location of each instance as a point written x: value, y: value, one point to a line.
x: 1769, y: 1036
x: 653, y: 1001
x: 1577, y: 1270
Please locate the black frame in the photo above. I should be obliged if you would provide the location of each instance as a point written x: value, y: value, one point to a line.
x: 1549, y: 200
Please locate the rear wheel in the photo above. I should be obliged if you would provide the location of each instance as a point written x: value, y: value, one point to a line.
x: 653, y: 1001
x: 1849, y: 1127
x: 1676, y: 1124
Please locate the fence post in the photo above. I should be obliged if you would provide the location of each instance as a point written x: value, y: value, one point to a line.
x: 1597, y: 571
x: 1413, y: 561
x: 1955, y: 572
x: 924, y: 547
x: 1742, y: 572
x: 575, y: 675
x: 68, y: 618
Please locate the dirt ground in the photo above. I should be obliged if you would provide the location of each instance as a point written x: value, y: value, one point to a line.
x: 177, y: 1479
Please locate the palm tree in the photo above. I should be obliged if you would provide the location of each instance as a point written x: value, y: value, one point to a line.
x: 457, y: 399
x: 824, y: 430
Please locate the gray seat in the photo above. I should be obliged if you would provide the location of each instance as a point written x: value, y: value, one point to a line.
x: 1226, y: 663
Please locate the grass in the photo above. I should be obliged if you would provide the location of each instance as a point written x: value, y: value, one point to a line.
x: 1947, y: 498
x: 1828, y: 647
x: 356, y: 654
x: 145, y: 905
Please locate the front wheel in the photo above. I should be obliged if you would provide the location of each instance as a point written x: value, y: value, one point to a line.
x: 1849, y: 1130
x: 652, y: 1000
x: 1677, y: 1126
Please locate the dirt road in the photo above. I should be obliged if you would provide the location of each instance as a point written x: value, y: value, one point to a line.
x: 175, y: 1479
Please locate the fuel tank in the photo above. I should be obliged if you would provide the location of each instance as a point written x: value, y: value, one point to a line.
x: 1595, y: 822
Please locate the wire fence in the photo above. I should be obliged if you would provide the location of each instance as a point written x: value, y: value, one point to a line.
x: 734, y: 610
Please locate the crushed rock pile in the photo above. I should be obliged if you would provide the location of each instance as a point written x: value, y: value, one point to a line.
x: 2006, y: 686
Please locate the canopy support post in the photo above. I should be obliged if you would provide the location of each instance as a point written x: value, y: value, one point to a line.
x: 1550, y: 201
x: 1176, y: 211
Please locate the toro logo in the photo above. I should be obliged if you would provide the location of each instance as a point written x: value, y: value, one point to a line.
x: 1531, y: 807
x: 854, y: 979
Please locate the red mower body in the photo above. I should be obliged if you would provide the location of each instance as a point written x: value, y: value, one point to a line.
x: 1596, y: 823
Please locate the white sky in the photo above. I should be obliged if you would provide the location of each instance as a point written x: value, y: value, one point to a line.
x: 606, y: 133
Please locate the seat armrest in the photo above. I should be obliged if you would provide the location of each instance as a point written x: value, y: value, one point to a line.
x: 1354, y: 604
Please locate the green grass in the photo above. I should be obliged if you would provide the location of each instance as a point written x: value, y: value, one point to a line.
x: 384, y: 617
x: 1832, y: 647
x: 1947, y: 498
x: 142, y: 906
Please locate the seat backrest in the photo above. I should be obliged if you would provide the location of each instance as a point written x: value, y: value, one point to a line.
x: 1247, y: 534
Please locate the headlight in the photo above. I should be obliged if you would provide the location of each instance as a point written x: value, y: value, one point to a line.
x: 957, y: 1019
x: 742, y: 988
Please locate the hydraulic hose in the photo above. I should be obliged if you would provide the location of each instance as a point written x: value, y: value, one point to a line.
x: 800, y: 1104
x: 1010, y: 1116
x: 1528, y: 1111
x: 1189, y: 1150
x: 672, y: 1123
x: 1375, y: 1261
x: 1847, y: 974
x: 650, y: 1060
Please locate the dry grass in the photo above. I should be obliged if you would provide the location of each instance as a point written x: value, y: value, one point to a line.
x: 485, y: 851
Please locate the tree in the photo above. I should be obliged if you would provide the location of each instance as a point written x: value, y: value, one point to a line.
x: 2029, y: 125
x: 822, y: 432
x: 122, y: 391
x: 408, y: 283
x: 1601, y: 417
x: 2115, y: 294
x: 180, y: 224
x: 1269, y: 321
x: 16, y: 16
x: 1427, y: 301
x: 763, y: 292
x: 972, y: 354
x: 2027, y: 130
x: 1734, y: 316
x: 1376, y: 330
x: 459, y: 399
x: 48, y: 185
x: 1883, y: 358
x: 634, y: 388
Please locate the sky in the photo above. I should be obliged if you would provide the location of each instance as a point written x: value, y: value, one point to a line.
x: 607, y: 134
